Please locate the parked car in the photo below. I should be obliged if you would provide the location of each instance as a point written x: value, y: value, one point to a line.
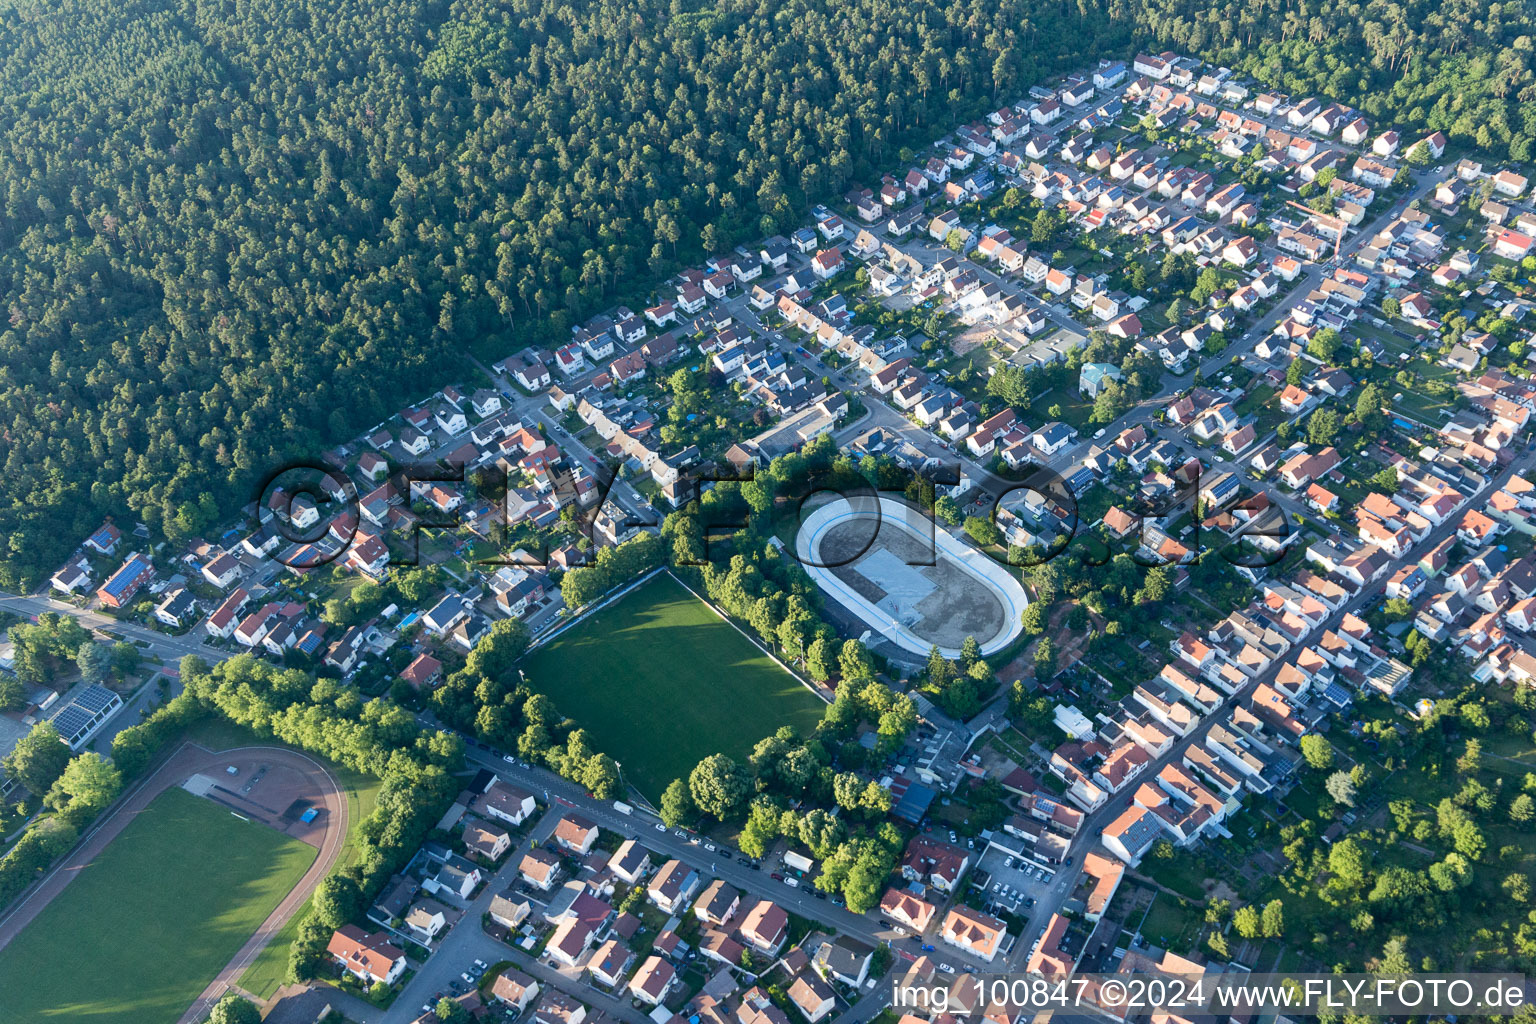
x: 660, y: 827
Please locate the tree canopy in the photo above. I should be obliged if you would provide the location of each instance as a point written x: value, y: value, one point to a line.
x: 232, y: 236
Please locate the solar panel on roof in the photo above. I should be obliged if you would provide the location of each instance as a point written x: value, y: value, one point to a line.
x: 70, y: 721
x: 94, y: 699
x: 126, y: 576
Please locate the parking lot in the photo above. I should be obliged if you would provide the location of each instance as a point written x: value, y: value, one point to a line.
x: 1013, y: 884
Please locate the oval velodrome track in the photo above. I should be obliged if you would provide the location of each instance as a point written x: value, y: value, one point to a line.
x: 188, y: 760
x: 972, y: 569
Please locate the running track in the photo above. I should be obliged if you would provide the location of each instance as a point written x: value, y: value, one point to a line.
x: 188, y: 760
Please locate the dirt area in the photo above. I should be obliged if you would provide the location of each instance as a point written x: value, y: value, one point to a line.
x: 972, y: 338
x: 996, y: 764
x: 277, y: 795
x: 1009, y: 340
x: 1021, y: 667
x: 1069, y: 644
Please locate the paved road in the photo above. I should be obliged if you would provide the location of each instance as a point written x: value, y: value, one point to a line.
x: 715, y: 864
x: 144, y: 701
x: 536, y: 408
x: 450, y: 961
x: 1145, y: 412
x: 450, y: 958
x: 166, y: 648
x: 467, y: 942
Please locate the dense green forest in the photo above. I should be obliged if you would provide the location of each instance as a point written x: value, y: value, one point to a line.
x: 235, y: 232
x: 1464, y: 67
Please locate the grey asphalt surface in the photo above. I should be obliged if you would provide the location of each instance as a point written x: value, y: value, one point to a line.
x: 168, y: 649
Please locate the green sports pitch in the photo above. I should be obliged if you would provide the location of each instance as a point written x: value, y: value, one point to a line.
x: 661, y: 682
x: 150, y: 922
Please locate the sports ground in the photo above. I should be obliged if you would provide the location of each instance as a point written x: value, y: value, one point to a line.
x: 915, y: 584
x: 148, y: 923
x: 660, y: 682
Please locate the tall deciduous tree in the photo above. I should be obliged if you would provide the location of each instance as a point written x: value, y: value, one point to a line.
x: 38, y: 759
x: 233, y: 1009
x: 718, y: 785
x: 676, y: 804
x: 87, y: 785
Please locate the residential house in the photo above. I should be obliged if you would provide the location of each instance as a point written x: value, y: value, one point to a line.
x: 978, y: 934
x: 540, y: 869
x: 515, y: 989
x: 367, y: 956
x: 810, y: 995
x: 673, y: 886
x: 576, y: 834
x: 765, y: 928
x: 652, y: 981
x: 717, y: 903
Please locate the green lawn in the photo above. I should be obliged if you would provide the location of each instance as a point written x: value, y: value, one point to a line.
x: 1076, y: 408
x: 661, y: 682
x: 1117, y: 660
x: 1172, y: 923
x: 1183, y: 874
x: 1417, y: 400
x: 1255, y: 401
x: 269, y: 971
x: 144, y: 928
x: 270, y: 968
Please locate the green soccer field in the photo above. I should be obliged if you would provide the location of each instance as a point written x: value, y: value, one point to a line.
x: 146, y: 926
x: 661, y: 682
